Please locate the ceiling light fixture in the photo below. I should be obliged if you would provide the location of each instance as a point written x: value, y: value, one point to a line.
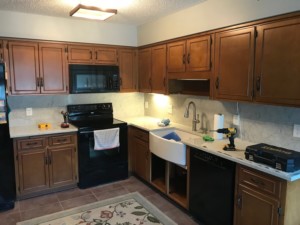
x: 92, y: 12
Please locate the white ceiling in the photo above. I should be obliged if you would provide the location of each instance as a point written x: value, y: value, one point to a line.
x: 135, y: 12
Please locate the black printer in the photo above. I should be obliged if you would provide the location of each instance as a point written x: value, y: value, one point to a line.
x: 276, y: 157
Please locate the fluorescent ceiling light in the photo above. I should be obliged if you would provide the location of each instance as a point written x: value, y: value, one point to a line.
x: 91, y: 12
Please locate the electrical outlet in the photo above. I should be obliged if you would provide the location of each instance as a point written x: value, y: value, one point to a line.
x: 296, y: 132
x: 170, y: 109
x: 28, y: 111
x: 146, y: 105
x: 236, y: 120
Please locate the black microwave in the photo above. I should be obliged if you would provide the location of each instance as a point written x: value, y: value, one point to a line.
x: 94, y: 79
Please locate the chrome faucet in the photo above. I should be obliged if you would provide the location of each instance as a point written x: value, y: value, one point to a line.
x: 195, y: 120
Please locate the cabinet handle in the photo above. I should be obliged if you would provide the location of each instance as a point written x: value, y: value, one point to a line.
x: 217, y: 83
x: 31, y: 143
x: 121, y: 81
x: 50, y: 159
x: 46, y: 160
x: 41, y: 82
x: 188, y: 58
x: 61, y: 140
x: 91, y: 55
x: 96, y: 55
x: 38, y: 82
x: 183, y: 59
x: 239, y: 202
x: 258, y: 83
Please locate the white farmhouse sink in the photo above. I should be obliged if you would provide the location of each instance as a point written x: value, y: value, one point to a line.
x: 170, y: 150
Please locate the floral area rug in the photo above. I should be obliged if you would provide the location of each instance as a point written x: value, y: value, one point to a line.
x: 130, y: 209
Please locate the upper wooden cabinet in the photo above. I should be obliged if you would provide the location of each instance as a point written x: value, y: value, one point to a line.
x: 277, y: 67
x: 234, y: 64
x: 152, y: 69
x: 128, y: 70
x: 191, y: 55
x: 92, y: 55
x: 1, y: 51
x: 37, y: 67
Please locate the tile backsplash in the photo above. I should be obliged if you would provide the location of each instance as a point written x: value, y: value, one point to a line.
x: 258, y: 123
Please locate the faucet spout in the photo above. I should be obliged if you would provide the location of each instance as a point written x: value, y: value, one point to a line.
x: 186, y: 115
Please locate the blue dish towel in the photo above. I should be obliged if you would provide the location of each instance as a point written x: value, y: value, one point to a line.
x: 172, y: 136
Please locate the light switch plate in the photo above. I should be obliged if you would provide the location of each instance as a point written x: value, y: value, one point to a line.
x: 28, y: 111
x: 170, y: 109
x: 296, y: 132
x: 236, y: 120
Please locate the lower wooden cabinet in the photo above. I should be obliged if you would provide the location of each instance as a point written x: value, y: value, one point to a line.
x: 139, y: 153
x: 45, y: 164
x: 262, y: 199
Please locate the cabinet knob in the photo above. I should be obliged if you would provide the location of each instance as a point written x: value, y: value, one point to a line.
x: 217, y: 83
x: 258, y: 83
x: 188, y: 58
x: 183, y: 59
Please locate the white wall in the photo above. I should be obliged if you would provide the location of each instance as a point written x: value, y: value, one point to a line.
x: 22, y: 25
x: 212, y: 14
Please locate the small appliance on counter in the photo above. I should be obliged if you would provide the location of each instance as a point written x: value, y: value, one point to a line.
x: 276, y: 157
x: 65, y: 124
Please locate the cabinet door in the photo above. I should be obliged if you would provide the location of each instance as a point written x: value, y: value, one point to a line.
x: 1, y: 51
x: 145, y: 70
x: 141, y: 152
x: 176, y: 57
x: 234, y: 64
x: 277, y: 63
x: 107, y: 56
x: 62, y: 166
x: 33, y: 172
x: 128, y: 69
x: 158, y: 69
x: 24, y: 68
x: 53, y: 68
x: 255, y: 208
x: 198, y: 54
x: 80, y: 54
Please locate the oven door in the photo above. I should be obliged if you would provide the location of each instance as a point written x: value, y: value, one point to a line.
x: 101, y: 166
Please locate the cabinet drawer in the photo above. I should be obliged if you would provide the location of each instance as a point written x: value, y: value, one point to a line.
x: 32, y: 143
x: 260, y: 181
x: 61, y: 140
x: 143, y: 135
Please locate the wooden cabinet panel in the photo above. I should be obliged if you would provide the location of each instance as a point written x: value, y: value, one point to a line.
x: 234, y: 64
x: 33, y: 171
x: 24, y: 67
x: 158, y: 69
x: 198, y: 56
x: 144, y: 70
x: 106, y: 56
x: 1, y: 51
x: 45, y: 163
x: 256, y: 208
x: 128, y: 70
x: 53, y: 68
x: 277, y: 63
x: 176, y: 56
x: 80, y: 54
x: 62, y: 166
x: 142, y: 159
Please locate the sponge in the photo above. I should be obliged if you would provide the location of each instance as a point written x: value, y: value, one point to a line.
x: 208, y: 138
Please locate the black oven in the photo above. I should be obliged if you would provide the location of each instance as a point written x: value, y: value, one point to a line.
x: 98, y: 166
x: 94, y: 79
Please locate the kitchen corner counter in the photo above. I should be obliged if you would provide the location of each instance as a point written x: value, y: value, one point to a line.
x: 215, y: 147
x: 33, y: 130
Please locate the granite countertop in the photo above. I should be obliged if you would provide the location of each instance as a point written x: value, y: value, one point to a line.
x: 215, y: 147
x: 33, y: 130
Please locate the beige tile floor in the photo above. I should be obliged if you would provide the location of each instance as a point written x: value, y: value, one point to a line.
x: 47, y: 204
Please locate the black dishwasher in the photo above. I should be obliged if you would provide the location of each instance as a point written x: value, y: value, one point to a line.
x: 211, y: 188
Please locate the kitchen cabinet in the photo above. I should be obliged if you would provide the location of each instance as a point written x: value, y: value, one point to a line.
x: 152, y: 69
x: 263, y: 199
x: 81, y: 54
x: 139, y: 153
x: 44, y: 164
x: 277, y: 65
x: 1, y: 51
x: 234, y: 57
x: 191, y: 55
x: 128, y: 70
x: 37, y: 68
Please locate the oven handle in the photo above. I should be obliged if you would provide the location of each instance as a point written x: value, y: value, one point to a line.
x: 86, y: 132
